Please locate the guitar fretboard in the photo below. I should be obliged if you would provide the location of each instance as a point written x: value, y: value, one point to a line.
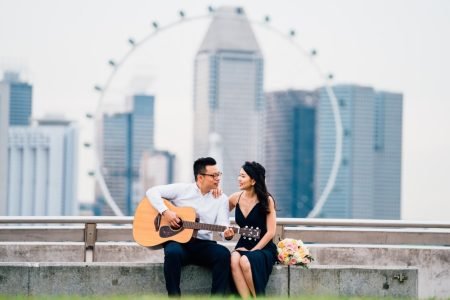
x: 210, y: 227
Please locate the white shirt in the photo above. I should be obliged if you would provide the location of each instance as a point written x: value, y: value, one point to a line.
x: 210, y: 210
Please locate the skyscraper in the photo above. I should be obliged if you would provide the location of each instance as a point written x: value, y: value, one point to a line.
x: 19, y: 94
x: 43, y: 169
x: 142, y: 131
x: 116, y: 162
x: 365, y: 167
x: 228, y: 94
x: 15, y: 109
x: 290, y: 147
x: 124, y: 139
x: 388, y: 154
x: 352, y: 196
x: 4, y: 125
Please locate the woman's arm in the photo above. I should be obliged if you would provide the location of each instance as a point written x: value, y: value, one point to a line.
x: 232, y: 201
x: 231, y: 204
x: 271, y: 221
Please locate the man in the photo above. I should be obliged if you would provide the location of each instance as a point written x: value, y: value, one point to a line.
x: 201, y: 250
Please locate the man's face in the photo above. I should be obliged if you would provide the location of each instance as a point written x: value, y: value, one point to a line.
x: 210, y: 179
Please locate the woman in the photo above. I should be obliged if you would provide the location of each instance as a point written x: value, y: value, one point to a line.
x: 252, y: 260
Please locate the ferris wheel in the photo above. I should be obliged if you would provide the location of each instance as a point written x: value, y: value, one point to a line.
x: 265, y: 24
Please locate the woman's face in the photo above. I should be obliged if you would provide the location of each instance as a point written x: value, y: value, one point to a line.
x: 245, y: 181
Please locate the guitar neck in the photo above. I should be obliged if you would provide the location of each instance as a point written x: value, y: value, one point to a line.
x: 203, y: 226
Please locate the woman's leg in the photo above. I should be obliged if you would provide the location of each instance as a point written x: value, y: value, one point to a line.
x: 238, y: 276
x: 246, y: 269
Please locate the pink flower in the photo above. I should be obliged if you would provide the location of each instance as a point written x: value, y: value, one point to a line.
x: 293, y: 252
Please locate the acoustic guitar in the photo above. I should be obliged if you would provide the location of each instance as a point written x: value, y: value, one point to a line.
x: 151, y: 229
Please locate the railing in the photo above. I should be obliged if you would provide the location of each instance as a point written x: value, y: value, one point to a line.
x: 92, y: 230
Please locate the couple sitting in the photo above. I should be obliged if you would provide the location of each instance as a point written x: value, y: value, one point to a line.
x: 251, y: 262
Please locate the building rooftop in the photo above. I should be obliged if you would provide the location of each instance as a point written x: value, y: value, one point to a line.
x: 229, y: 30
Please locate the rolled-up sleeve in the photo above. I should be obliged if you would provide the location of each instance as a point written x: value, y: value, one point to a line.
x: 156, y: 194
x: 223, y: 215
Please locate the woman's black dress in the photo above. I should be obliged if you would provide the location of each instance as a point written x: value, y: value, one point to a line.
x: 262, y: 260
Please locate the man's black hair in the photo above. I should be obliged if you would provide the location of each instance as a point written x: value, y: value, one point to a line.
x: 200, y: 165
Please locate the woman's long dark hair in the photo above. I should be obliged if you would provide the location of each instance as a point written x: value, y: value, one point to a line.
x: 257, y: 172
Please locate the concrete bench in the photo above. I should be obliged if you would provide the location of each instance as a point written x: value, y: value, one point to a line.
x: 72, y: 278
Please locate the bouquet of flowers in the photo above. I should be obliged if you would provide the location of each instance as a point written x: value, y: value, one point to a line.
x: 293, y: 252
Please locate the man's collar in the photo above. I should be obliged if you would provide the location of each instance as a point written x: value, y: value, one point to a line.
x: 197, y: 188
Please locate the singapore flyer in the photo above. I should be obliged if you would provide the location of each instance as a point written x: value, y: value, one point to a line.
x: 142, y: 68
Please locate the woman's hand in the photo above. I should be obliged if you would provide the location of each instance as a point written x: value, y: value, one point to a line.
x: 241, y: 249
x: 216, y: 192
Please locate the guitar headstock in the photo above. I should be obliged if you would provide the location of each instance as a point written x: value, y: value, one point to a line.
x: 250, y: 232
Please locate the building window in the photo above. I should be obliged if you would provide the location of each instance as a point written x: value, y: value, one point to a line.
x: 347, y: 132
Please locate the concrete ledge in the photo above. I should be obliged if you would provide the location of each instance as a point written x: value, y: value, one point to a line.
x: 41, y: 252
x: 433, y: 262
x: 354, y: 281
x: 145, y: 278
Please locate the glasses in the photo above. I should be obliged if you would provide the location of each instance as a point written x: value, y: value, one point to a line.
x: 215, y: 175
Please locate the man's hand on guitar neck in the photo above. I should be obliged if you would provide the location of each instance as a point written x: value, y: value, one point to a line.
x: 228, y: 233
x: 171, y: 218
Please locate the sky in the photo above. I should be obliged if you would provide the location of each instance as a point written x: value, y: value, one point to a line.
x: 62, y: 48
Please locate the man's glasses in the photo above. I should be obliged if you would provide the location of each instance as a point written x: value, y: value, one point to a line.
x: 215, y: 175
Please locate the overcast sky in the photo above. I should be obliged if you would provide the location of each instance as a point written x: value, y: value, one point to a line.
x: 62, y: 49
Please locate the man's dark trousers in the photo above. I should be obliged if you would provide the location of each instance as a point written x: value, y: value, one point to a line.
x: 198, y: 252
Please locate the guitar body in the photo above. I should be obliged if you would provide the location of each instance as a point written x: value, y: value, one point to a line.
x: 147, y: 224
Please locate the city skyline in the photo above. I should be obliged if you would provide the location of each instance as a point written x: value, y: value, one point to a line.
x: 399, y: 54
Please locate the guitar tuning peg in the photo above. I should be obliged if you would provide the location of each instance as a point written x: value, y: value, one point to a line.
x: 246, y: 226
x: 244, y: 237
x: 257, y: 227
x: 249, y: 239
